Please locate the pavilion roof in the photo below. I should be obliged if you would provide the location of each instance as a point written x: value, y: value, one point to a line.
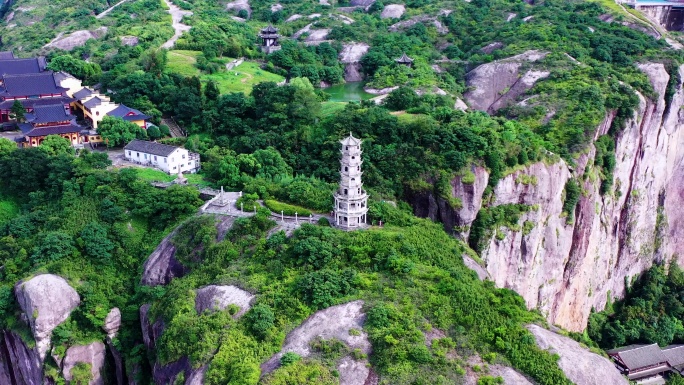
x: 350, y: 141
x: 404, y: 59
x: 635, y: 357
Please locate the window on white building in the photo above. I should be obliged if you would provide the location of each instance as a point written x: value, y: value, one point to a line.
x: 155, y: 158
x: 183, y: 156
x: 129, y: 153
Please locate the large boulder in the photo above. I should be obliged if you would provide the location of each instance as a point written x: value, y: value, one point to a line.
x: 393, y: 11
x: 580, y: 365
x: 76, y: 39
x: 335, y: 322
x: 494, y: 85
x: 18, y: 363
x: 351, y: 55
x: 112, y: 322
x: 162, y: 266
x: 216, y: 298
x: 46, y: 300
x: 92, y: 355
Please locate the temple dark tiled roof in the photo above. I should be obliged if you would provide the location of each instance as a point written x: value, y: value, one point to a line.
x: 30, y: 85
x: 127, y: 113
x: 150, y: 147
x: 94, y: 102
x: 21, y: 66
x: 6, y: 55
x: 82, y: 93
x: 49, y: 114
x: 33, y: 103
x: 639, y: 356
x: 55, y: 130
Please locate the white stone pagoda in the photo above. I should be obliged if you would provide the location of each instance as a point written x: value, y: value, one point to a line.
x: 351, y: 200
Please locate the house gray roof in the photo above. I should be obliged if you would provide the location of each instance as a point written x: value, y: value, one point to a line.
x: 674, y: 354
x: 49, y: 114
x: 83, y: 93
x: 61, y: 75
x: 30, y: 84
x: 150, y: 147
x: 6, y: 55
x: 635, y: 357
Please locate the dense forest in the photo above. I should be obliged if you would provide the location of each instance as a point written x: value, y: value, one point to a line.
x: 94, y: 225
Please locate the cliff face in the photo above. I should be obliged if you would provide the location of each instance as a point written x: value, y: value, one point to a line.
x: 566, y: 269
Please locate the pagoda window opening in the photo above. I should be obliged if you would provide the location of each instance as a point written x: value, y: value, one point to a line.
x: 345, y: 191
x: 345, y: 169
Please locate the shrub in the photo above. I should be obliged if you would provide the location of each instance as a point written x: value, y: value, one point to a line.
x: 289, y: 358
x: 287, y: 209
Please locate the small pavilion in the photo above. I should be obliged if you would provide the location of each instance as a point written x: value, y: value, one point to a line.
x: 269, y: 39
x: 405, y: 60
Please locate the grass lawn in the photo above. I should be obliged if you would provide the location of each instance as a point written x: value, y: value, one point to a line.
x: 240, y: 79
x: 8, y: 210
x: 331, y: 108
x: 183, y: 62
x: 152, y: 175
x: 248, y: 75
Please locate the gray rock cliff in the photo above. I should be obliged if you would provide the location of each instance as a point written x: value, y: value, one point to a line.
x: 566, y: 268
x: 92, y: 354
x: 46, y: 300
x: 19, y: 365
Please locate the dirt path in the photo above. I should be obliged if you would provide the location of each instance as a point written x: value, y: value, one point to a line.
x: 176, y: 17
x: 103, y: 14
x: 248, y: 75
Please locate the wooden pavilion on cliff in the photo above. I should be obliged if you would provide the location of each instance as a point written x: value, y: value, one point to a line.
x: 405, y: 60
x: 269, y: 39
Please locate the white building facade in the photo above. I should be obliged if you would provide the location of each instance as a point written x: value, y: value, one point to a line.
x: 169, y: 159
x: 351, y: 200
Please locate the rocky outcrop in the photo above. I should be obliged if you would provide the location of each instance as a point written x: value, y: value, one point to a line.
x: 350, y: 56
x: 217, y: 298
x: 495, y: 85
x: 456, y: 220
x: 425, y: 19
x: 162, y: 266
x: 566, y: 266
x: 92, y: 355
x: 334, y: 322
x: 19, y: 365
x: 112, y: 322
x: 75, y: 39
x: 581, y: 366
x: 393, y: 11
x: 46, y: 300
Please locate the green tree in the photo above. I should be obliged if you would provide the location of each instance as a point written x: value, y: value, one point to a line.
x: 154, y: 61
x: 18, y: 112
x: 88, y: 71
x: 154, y: 133
x: 211, y: 90
x: 6, y: 147
x: 117, y: 132
x: 52, y: 246
x: 260, y: 320
x: 95, y: 243
x: 55, y: 145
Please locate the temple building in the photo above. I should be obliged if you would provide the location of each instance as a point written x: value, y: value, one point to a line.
x: 95, y: 106
x: 405, y: 60
x: 22, y: 66
x: 47, y: 120
x: 32, y: 90
x: 351, y: 200
x: 269, y: 39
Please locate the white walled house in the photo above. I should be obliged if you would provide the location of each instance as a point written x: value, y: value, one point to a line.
x: 169, y: 159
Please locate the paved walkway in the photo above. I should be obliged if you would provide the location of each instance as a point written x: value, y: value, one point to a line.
x: 103, y: 14
x: 176, y: 17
